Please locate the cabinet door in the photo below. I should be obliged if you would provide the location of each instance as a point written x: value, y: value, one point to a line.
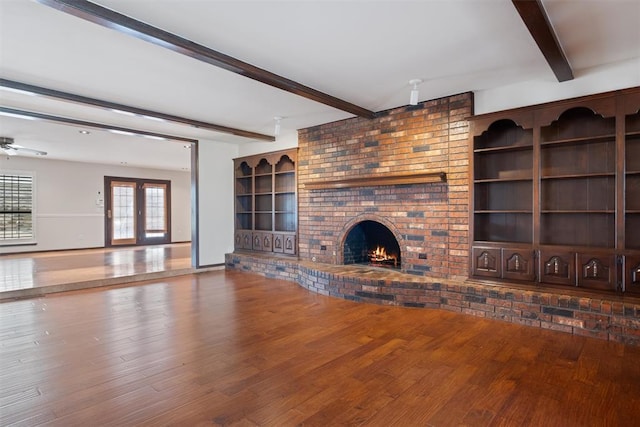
x: 237, y: 240
x: 597, y: 271
x: 518, y: 264
x: 246, y: 240
x: 558, y: 267
x: 487, y: 262
x: 257, y: 242
x: 632, y: 274
x: 267, y: 242
x: 278, y: 243
x: 290, y: 244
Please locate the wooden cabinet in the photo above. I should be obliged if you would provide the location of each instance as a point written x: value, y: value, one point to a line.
x: 266, y: 203
x: 556, y: 190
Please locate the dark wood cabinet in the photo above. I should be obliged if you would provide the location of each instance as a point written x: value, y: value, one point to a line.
x: 266, y: 203
x: 556, y: 192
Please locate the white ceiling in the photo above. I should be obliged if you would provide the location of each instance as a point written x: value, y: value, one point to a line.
x: 364, y: 52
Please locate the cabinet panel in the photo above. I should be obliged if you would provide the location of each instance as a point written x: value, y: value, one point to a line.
x: 597, y: 271
x: 264, y: 221
x: 518, y: 264
x: 558, y: 267
x: 246, y: 240
x: 504, y: 195
x: 285, y: 222
x: 578, y: 229
x: 632, y: 153
x: 290, y: 244
x: 278, y: 243
x: 264, y: 202
x: 285, y: 202
x: 285, y: 182
x: 579, y: 158
x: 487, y: 262
x: 632, y: 274
x: 503, y: 227
x: 263, y: 184
x: 514, y: 164
x: 584, y: 194
x: 632, y: 230
x: 244, y: 186
x: 244, y: 221
x: 504, y: 133
x: 580, y: 122
x: 237, y: 240
x: 262, y: 242
x: 267, y: 242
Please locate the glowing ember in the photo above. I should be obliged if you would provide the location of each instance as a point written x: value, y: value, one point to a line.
x: 380, y: 256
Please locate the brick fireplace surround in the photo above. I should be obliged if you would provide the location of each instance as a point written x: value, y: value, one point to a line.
x: 429, y: 220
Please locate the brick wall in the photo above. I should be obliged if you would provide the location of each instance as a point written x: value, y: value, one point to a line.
x: 430, y: 221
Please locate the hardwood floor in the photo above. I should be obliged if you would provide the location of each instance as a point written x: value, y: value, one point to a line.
x: 231, y: 348
x: 32, y: 274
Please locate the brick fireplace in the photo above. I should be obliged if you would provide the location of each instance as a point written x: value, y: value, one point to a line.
x: 371, y: 243
x: 428, y: 218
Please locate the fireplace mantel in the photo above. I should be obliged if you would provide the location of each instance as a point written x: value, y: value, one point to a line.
x: 418, y: 178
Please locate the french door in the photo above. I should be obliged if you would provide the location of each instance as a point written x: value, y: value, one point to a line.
x: 137, y: 211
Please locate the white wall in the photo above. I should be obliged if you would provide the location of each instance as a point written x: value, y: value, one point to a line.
x: 67, y: 216
x: 288, y: 139
x: 586, y: 82
x: 215, y: 201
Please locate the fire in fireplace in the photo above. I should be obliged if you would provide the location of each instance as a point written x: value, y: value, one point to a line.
x: 372, y: 243
x: 381, y: 257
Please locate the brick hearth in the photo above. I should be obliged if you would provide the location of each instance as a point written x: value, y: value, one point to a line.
x: 599, y: 317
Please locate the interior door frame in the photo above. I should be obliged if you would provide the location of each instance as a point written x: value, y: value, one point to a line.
x: 140, y: 238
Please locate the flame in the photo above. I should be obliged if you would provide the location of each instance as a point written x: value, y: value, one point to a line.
x: 380, y: 255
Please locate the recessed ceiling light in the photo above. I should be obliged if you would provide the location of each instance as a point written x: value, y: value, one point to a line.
x: 20, y: 91
x: 121, y: 132
x: 157, y: 119
x: 126, y: 113
x: 84, y: 132
x: 18, y: 116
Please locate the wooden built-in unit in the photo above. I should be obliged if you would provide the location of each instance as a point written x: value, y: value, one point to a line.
x: 555, y: 195
x: 266, y: 204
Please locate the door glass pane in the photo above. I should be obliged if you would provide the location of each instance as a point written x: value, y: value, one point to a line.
x: 155, y: 211
x: 123, y: 212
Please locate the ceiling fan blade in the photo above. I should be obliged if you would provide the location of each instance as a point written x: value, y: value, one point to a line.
x: 17, y: 147
x: 8, y: 151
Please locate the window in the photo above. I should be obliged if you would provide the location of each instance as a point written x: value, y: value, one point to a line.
x: 155, y: 209
x: 16, y: 207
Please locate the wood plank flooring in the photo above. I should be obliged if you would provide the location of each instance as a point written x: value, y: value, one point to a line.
x: 231, y: 348
x: 30, y: 274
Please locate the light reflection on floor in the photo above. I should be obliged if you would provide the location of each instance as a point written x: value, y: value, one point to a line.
x: 34, y: 270
x: 17, y: 274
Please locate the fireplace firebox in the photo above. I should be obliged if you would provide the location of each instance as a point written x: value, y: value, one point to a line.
x: 372, y: 243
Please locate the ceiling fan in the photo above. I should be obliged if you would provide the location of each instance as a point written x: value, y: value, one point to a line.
x: 11, y: 149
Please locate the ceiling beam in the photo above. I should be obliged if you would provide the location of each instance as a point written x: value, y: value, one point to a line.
x: 14, y: 112
x: 126, y: 25
x: 79, y: 99
x: 535, y: 18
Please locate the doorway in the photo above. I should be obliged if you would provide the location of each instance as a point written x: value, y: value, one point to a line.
x: 137, y: 211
